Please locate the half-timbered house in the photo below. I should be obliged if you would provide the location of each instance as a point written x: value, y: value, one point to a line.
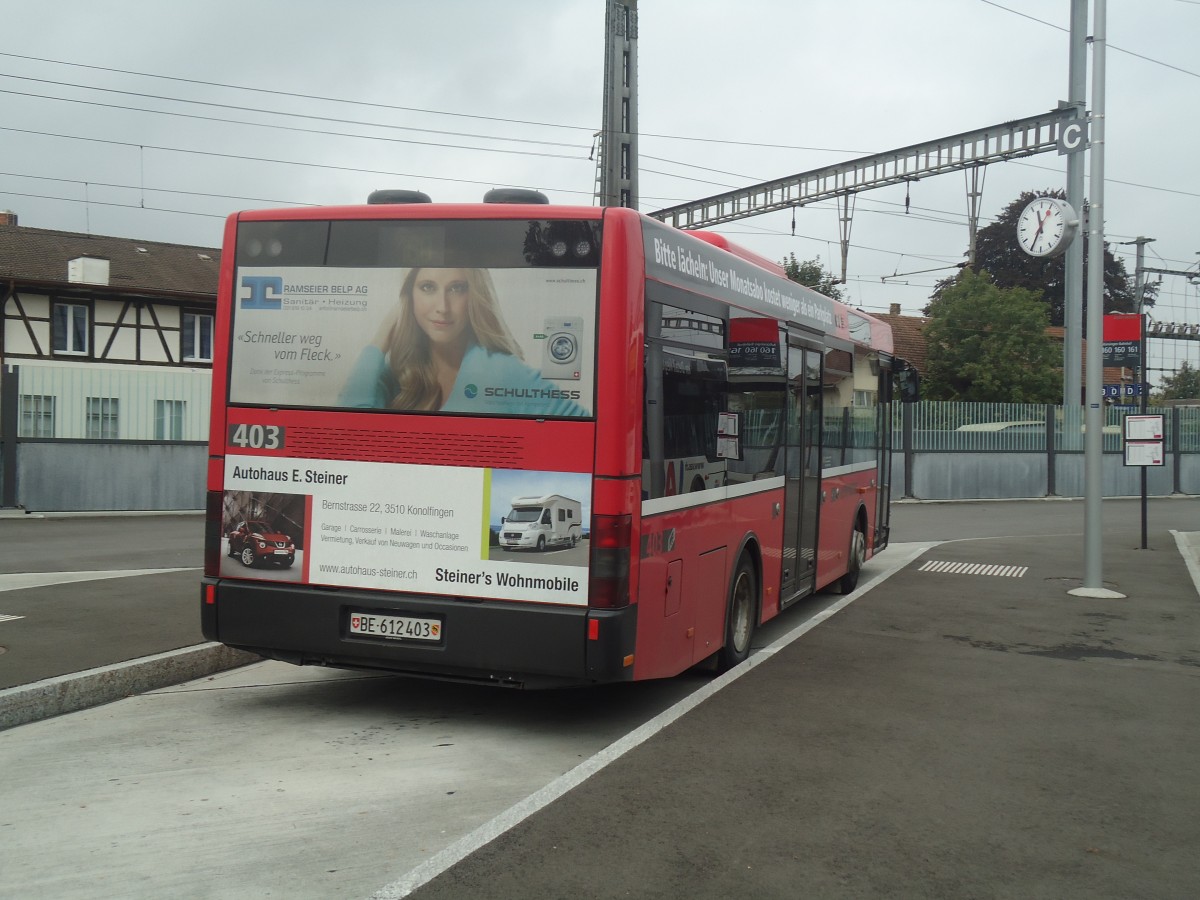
x: 105, y: 354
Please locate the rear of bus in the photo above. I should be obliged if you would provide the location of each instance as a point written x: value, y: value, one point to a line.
x: 385, y: 478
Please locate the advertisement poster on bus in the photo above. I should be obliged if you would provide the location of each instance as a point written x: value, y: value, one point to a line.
x: 487, y: 341
x: 471, y: 532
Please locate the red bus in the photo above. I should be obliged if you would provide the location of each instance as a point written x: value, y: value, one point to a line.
x: 529, y: 445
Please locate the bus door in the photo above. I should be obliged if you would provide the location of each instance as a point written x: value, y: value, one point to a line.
x: 802, y: 493
x: 883, y: 432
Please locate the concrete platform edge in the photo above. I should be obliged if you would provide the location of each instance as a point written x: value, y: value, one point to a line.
x: 95, y: 687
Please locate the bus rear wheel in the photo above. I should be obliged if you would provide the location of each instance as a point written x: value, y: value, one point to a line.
x: 739, y: 623
x: 855, y: 560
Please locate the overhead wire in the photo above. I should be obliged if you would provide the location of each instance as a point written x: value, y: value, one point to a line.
x: 251, y: 109
x: 1108, y: 44
x: 423, y: 111
x: 295, y: 128
x: 424, y: 130
x: 385, y: 126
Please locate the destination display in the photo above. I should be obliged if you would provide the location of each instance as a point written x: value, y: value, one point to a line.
x: 685, y: 262
x: 1122, y: 341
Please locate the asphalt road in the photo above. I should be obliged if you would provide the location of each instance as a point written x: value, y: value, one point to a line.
x: 64, y: 543
x: 959, y: 520
x: 87, y: 591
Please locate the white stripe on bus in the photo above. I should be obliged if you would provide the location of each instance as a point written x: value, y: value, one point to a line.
x: 712, y: 495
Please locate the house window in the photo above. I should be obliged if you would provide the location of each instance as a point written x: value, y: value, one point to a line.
x: 37, y: 416
x: 197, y: 337
x: 69, y: 326
x: 168, y: 420
x: 102, y: 418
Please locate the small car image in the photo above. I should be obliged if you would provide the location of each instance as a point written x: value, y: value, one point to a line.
x: 255, y: 542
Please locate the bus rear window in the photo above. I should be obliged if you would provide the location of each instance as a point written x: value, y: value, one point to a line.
x: 470, y: 317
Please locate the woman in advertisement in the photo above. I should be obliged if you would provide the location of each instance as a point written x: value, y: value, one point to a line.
x: 445, y: 347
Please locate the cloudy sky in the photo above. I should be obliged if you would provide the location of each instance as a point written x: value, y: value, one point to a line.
x: 155, y: 120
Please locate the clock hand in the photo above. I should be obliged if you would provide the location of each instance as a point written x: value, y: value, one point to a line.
x: 1041, y: 224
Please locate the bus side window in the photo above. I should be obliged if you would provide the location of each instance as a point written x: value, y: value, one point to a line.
x: 686, y: 381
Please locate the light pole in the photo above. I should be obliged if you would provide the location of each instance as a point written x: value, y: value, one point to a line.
x: 1093, y: 444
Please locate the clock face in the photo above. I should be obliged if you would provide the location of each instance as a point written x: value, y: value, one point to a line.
x: 1046, y: 226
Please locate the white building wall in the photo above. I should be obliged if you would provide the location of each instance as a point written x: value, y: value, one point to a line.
x: 138, y: 391
x: 17, y: 337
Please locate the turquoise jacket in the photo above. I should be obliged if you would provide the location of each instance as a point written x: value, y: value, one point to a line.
x: 487, y: 383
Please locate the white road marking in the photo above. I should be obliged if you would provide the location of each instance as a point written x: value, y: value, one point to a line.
x: 960, y: 568
x: 1188, y: 543
x: 24, y: 580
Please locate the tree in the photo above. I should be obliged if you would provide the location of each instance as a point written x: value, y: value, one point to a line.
x: 811, y: 273
x: 997, y: 252
x: 1184, y: 384
x: 988, y: 343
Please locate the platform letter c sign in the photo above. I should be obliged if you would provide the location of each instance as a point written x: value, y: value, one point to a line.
x: 1072, y: 138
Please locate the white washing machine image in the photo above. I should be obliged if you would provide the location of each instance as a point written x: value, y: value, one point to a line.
x: 562, y: 349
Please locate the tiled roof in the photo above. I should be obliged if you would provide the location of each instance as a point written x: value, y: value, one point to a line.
x: 908, y: 338
x: 42, y: 255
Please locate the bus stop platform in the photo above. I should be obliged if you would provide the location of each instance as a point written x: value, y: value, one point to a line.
x: 958, y: 731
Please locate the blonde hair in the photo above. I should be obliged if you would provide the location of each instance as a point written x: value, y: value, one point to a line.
x: 409, y: 356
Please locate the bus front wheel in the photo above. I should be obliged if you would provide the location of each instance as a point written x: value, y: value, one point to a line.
x: 739, y: 624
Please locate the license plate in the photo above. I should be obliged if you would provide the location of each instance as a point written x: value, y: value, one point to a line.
x: 398, y: 628
x: 281, y: 552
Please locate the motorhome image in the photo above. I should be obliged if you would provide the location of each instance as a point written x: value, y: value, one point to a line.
x: 541, y: 522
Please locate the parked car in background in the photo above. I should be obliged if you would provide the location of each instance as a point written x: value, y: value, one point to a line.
x: 255, y: 542
x: 1025, y: 426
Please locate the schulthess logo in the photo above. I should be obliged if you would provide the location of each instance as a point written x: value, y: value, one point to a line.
x: 471, y: 391
x: 265, y: 292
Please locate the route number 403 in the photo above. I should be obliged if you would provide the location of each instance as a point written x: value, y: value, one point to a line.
x: 257, y: 437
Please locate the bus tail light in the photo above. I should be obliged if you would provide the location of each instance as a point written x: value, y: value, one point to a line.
x: 208, y: 611
x: 608, y: 586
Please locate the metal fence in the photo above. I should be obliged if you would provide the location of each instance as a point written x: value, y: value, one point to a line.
x: 950, y: 426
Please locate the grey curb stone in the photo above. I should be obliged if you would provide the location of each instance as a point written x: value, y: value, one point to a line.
x: 68, y: 693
